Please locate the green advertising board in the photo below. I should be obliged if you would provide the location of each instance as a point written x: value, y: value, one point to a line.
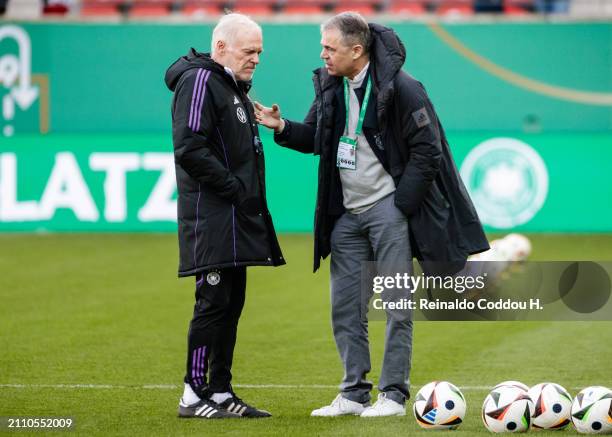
x: 554, y: 182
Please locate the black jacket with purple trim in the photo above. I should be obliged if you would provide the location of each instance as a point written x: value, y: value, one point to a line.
x: 223, y: 217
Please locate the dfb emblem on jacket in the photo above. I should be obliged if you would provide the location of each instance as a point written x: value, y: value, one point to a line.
x: 213, y: 278
x: 241, y: 115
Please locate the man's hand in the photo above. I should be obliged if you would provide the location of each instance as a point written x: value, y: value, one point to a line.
x: 269, y: 117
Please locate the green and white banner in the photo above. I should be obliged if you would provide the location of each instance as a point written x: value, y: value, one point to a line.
x: 550, y: 183
x: 85, y: 140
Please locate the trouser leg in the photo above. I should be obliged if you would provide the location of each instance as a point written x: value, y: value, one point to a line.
x: 220, y: 298
x: 222, y: 356
x: 349, y: 248
x: 388, y: 233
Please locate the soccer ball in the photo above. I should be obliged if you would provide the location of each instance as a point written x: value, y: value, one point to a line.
x: 592, y: 411
x: 517, y: 246
x: 511, y: 248
x: 507, y: 409
x: 516, y: 384
x: 439, y: 405
x: 553, y: 405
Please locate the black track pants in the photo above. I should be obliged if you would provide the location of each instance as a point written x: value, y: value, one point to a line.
x: 212, y: 331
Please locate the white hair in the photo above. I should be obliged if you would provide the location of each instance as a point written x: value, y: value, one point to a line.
x: 229, y: 26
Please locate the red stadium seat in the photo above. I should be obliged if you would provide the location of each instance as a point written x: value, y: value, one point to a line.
x: 254, y: 7
x: 518, y: 7
x: 99, y: 11
x: 363, y: 7
x: 303, y: 9
x: 55, y: 9
x: 100, y: 8
x: 305, y: 6
x: 407, y: 7
x: 151, y: 8
x: 455, y: 7
x: 199, y: 7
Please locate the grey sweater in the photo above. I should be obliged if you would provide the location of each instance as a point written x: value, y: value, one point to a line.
x: 369, y: 183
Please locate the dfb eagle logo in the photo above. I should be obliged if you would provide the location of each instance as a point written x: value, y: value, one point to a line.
x: 213, y: 278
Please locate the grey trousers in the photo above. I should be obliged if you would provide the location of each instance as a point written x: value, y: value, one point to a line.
x: 379, y: 234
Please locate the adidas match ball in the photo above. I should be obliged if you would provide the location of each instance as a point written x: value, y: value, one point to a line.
x: 507, y: 409
x: 592, y: 411
x: 516, y: 384
x: 553, y: 405
x: 439, y: 405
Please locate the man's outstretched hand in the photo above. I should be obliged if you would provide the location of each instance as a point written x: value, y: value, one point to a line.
x: 269, y: 117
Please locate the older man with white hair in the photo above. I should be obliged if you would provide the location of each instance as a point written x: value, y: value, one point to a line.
x: 223, y: 220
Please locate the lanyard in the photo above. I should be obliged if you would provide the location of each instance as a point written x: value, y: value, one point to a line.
x: 364, y: 105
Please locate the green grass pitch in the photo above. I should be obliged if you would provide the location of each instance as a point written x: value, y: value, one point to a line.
x: 108, y: 311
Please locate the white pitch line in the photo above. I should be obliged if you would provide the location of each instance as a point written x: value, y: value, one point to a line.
x: 94, y: 386
x: 175, y: 386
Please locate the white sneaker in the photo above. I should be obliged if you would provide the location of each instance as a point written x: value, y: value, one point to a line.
x: 340, y: 406
x: 384, y: 407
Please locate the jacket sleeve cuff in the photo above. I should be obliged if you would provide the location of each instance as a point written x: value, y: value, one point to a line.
x: 283, y: 136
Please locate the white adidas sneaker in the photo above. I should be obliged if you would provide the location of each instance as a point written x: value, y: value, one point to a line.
x: 340, y: 406
x: 384, y: 407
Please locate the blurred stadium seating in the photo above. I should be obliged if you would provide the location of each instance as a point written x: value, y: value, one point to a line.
x: 147, y: 9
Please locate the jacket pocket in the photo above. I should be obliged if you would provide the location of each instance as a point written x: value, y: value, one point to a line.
x: 252, y: 236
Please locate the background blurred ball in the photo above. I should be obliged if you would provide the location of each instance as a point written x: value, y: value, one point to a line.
x: 507, y: 409
x: 439, y: 405
x: 592, y: 411
x: 553, y: 405
x: 517, y: 247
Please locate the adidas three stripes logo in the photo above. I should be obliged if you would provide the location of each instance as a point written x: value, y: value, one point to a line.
x: 205, y: 411
x: 236, y: 408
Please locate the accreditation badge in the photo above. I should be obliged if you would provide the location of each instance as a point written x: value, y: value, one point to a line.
x: 347, y: 157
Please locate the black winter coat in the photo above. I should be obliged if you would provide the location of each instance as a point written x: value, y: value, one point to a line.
x: 404, y: 132
x: 223, y: 218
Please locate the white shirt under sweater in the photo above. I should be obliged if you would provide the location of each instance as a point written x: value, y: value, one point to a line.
x: 364, y: 187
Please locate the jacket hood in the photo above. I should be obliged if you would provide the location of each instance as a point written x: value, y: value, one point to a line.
x: 387, y: 56
x: 387, y: 52
x: 193, y: 59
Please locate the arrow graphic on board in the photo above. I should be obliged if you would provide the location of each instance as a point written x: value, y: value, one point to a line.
x: 23, y: 94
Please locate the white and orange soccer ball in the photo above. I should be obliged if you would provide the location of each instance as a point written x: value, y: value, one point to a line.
x: 439, y: 405
x: 553, y: 405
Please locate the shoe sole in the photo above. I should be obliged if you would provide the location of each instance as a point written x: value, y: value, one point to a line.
x: 336, y: 415
x: 387, y: 415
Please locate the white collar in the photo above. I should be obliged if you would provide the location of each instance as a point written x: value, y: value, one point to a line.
x: 357, y: 81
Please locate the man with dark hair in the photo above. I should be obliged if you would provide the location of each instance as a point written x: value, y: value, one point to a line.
x: 388, y: 190
x: 223, y: 218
